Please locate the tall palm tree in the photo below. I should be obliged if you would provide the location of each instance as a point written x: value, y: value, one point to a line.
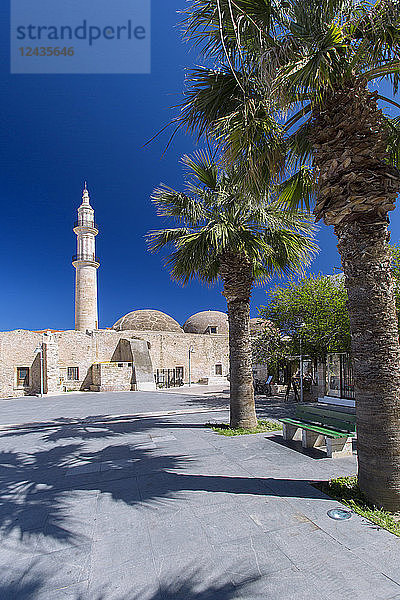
x: 228, y: 234
x: 317, y: 59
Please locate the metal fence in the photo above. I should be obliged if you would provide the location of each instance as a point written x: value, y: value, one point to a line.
x: 346, y: 377
x: 340, y: 376
x: 167, y: 378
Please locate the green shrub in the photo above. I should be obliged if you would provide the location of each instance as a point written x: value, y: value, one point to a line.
x: 263, y: 427
x: 347, y: 491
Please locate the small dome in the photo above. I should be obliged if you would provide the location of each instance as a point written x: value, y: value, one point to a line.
x: 258, y: 325
x: 147, y: 320
x: 207, y: 321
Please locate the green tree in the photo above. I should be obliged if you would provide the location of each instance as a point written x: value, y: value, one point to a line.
x: 270, y: 348
x: 316, y: 60
x: 319, y: 303
x: 223, y: 233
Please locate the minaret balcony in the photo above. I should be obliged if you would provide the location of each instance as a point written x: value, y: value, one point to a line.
x: 88, y: 226
x: 87, y: 258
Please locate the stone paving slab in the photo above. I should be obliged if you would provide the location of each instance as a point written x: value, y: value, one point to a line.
x: 162, y: 508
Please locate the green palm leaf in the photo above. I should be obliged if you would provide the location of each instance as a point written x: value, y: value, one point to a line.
x: 221, y: 218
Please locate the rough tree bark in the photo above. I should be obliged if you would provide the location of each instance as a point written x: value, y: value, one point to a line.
x: 236, y: 273
x: 375, y: 348
x: 357, y: 188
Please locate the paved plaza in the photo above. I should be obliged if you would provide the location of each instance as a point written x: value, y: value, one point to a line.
x: 127, y: 496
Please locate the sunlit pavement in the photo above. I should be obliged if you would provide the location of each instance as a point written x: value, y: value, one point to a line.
x: 98, y: 503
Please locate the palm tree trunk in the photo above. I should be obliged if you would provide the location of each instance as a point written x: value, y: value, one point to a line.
x: 376, y: 354
x: 357, y: 188
x: 237, y: 276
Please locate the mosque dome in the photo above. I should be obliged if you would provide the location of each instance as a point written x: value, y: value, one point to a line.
x: 207, y: 321
x: 147, y: 320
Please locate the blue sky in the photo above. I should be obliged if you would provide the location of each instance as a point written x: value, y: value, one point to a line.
x: 57, y: 131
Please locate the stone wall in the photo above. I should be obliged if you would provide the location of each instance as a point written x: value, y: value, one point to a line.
x: 51, y: 366
x: 137, y: 351
x: 82, y: 350
x: 170, y: 350
x: 112, y: 377
x: 149, y: 350
x: 17, y: 349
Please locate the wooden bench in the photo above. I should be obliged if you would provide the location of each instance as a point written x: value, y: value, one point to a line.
x: 316, y: 427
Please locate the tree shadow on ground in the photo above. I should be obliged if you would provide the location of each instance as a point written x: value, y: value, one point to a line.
x: 94, y: 427
x: 212, y: 401
x: 195, y: 586
x: 19, y: 591
x: 266, y: 407
x: 192, y: 584
x: 37, y: 490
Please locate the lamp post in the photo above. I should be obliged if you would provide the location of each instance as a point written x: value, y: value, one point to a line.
x: 191, y: 350
x: 39, y: 350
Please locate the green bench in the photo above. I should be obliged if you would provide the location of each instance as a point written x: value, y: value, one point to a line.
x: 316, y: 426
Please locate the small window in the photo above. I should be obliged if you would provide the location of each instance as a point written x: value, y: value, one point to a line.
x: 218, y: 369
x: 22, y: 376
x: 120, y: 364
x: 213, y: 329
x: 73, y: 374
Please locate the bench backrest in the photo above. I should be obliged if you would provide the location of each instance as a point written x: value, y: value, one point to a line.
x: 329, y: 418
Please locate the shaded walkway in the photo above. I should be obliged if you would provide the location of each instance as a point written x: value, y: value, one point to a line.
x: 161, y: 508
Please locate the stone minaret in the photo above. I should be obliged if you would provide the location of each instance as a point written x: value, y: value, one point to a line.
x: 86, y: 265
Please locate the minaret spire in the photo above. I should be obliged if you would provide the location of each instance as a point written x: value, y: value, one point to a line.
x: 86, y: 265
x: 85, y: 196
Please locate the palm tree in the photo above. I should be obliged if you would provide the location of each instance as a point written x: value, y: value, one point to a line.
x: 228, y: 234
x: 317, y: 60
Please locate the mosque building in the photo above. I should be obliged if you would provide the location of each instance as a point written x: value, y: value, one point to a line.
x: 145, y: 349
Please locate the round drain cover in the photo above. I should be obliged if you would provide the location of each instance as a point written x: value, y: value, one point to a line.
x: 339, y: 514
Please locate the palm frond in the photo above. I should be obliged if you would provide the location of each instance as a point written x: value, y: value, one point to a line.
x: 171, y: 203
x: 204, y: 168
x: 320, y: 66
x: 390, y: 68
x: 210, y: 95
x: 299, y: 150
x: 252, y: 139
x: 193, y: 257
x: 292, y: 252
x: 224, y: 218
x: 219, y: 27
x: 298, y: 191
x: 163, y: 238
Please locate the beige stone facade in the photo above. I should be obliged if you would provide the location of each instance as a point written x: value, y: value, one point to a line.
x: 144, y: 349
x: 69, y: 358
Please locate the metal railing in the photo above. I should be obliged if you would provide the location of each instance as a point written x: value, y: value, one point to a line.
x: 88, y: 257
x: 167, y: 378
x: 346, y: 377
x: 90, y: 224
